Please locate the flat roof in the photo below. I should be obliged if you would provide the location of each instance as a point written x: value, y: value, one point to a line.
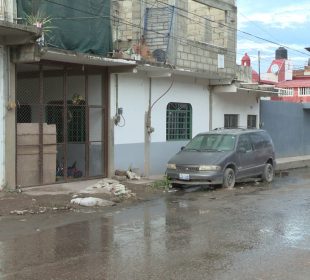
x: 17, y: 34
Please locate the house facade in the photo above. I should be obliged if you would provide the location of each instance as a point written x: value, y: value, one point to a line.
x: 131, y: 87
x: 187, y: 80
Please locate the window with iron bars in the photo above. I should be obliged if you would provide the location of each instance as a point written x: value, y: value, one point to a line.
x: 179, y: 121
x: 286, y: 91
x: 304, y: 91
x: 76, y: 122
x: 230, y: 121
x: 252, y: 121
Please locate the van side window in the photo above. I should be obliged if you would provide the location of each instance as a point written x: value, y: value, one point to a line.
x: 258, y: 141
x: 244, y: 143
x: 267, y: 139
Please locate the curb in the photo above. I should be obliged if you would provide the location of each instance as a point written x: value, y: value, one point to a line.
x: 284, y: 164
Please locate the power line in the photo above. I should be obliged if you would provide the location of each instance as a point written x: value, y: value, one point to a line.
x: 259, y: 27
x: 174, y: 37
x: 236, y: 29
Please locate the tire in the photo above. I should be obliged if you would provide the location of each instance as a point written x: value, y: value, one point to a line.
x: 268, y: 173
x: 176, y: 186
x: 229, y: 178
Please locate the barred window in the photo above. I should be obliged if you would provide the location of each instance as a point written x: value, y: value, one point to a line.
x: 179, y: 121
x: 230, y: 121
x: 304, y: 91
x: 252, y: 123
x: 286, y: 91
x: 76, y: 117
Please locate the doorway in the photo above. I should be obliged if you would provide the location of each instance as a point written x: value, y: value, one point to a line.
x: 61, y: 123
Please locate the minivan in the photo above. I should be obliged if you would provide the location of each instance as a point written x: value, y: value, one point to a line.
x: 223, y: 156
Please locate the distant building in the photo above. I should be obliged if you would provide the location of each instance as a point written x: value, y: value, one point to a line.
x: 292, y: 85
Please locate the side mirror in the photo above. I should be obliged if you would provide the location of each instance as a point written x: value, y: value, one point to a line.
x: 241, y: 150
x: 182, y: 148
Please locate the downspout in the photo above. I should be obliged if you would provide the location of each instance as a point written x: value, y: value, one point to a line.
x: 116, y: 93
x: 111, y: 163
x: 210, y: 109
x: 147, y: 133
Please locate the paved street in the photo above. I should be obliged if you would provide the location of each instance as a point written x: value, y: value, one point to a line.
x: 256, y: 231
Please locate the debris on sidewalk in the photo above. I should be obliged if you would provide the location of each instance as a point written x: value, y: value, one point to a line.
x: 19, y: 212
x: 91, y: 201
x: 132, y: 175
x: 109, y: 186
x: 39, y: 210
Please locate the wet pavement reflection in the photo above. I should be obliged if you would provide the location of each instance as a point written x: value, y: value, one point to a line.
x: 256, y: 231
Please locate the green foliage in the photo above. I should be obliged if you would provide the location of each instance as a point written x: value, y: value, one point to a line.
x: 163, y: 184
x: 40, y: 21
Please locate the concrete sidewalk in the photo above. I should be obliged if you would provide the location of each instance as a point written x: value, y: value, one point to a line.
x: 75, y: 187
x: 292, y: 162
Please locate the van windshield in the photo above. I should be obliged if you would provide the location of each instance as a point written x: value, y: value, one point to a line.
x: 212, y: 143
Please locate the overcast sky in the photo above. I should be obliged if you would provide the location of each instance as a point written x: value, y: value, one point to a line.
x: 282, y: 21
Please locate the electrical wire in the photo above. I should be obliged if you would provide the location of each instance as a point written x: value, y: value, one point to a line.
x: 236, y: 29
x: 169, y: 88
x: 174, y: 37
x: 163, y: 35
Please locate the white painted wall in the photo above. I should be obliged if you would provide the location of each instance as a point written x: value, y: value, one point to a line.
x: 133, y: 94
x: 233, y: 103
x: 132, y: 97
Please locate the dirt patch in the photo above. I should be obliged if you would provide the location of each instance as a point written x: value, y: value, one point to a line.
x: 20, y: 203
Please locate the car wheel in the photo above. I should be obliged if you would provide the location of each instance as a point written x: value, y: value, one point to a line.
x: 268, y: 173
x: 174, y: 185
x: 229, y: 178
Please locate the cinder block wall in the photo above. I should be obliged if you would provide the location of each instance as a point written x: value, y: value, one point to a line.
x: 193, y: 42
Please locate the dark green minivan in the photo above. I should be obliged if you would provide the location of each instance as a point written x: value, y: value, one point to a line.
x: 223, y: 156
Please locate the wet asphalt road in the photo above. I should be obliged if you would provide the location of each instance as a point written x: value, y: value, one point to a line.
x: 254, y: 232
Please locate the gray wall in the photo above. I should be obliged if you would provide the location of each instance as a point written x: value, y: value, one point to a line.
x: 288, y: 125
x: 132, y: 155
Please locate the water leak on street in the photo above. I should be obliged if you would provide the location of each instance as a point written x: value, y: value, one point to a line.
x: 256, y: 231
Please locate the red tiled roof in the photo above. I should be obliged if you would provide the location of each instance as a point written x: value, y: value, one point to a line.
x: 255, y: 76
x: 294, y: 83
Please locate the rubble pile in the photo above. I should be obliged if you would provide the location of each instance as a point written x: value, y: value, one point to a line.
x: 91, y: 201
x: 109, y: 186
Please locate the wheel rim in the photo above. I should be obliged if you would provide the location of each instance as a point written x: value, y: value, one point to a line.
x: 269, y: 172
x: 230, y: 179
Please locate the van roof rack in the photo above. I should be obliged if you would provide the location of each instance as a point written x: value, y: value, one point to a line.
x: 232, y: 128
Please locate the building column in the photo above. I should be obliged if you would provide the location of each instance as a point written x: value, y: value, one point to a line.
x: 7, y: 120
x: 3, y: 83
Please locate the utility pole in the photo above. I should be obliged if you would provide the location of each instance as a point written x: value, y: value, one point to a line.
x: 259, y: 67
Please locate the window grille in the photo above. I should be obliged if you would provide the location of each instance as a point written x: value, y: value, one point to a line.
x: 304, y: 91
x: 252, y: 121
x: 179, y: 121
x: 230, y: 121
x: 286, y: 91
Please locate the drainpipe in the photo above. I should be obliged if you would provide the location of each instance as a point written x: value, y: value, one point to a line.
x: 210, y: 109
x: 147, y: 133
x: 111, y: 161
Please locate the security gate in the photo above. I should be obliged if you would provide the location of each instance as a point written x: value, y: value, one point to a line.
x: 61, y: 123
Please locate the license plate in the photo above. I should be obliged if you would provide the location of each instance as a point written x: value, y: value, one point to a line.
x: 183, y: 176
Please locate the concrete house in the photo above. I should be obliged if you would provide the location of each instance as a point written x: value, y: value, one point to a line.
x: 86, y: 95
x: 187, y: 80
x: 55, y: 99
